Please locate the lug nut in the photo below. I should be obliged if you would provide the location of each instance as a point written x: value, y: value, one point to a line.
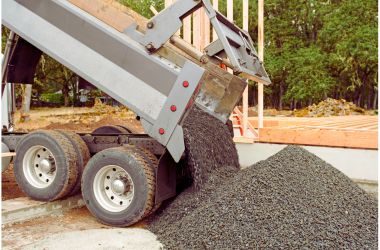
x: 173, y: 108
x: 185, y: 84
x: 150, y: 47
x: 161, y: 131
x: 150, y: 25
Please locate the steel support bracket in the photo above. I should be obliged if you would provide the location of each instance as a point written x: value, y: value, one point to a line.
x: 233, y: 47
x: 166, y: 128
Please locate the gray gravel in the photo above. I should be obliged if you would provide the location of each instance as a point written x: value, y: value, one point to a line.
x: 200, y: 129
x: 291, y: 200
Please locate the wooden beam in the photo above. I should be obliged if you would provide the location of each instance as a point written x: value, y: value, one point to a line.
x: 154, y: 11
x: 186, y: 31
x: 215, y: 4
x: 230, y: 10
x: 207, y: 31
x: 261, y: 57
x: 230, y: 17
x: 202, y: 29
x: 109, y: 12
x: 239, y: 139
x: 197, y: 29
x: 245, y: 93
x: 320, y: 137
x: 8, y: 154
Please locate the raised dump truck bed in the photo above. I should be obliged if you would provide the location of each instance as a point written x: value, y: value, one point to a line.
x: 141, y: 64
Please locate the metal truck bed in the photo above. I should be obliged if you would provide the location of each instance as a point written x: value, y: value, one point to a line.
x: 130, y: 58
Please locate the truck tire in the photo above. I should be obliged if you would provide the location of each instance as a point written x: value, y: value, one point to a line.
x: 129, y: 129
x: 111, y: 129
x: 118, y: 186
x: 45, y: 165
x: 153, y: 164
x: 83, y: 155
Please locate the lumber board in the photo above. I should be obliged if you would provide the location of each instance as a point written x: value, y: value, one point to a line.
x: 320, y: 137
x: 206, y: 28
x: 215, y: 5
x: 260, y: 44
x: 245, y: 93
x: 111, y: 12
x: 104, y: 11
x: 267, y: 123
x: 197, y: 29
x: 7, y: 154
x: 186, y: 33
x: 335, y: 128
x: 154, y: 11
x: 241, y: 139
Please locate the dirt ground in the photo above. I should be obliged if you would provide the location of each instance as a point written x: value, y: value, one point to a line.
x: 18, y: 235
x: 78, y: 119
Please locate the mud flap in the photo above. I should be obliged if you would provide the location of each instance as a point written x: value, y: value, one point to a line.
x: 165, y: 178
x: 23, y: 63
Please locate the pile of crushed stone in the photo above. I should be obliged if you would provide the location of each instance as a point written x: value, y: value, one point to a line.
x: 330, y: 107
x: 291, y: 200
x: 209, y: 145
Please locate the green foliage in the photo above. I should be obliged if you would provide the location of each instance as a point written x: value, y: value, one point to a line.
x: 308, y: 79
x: 142, y: 6
x: 314, y: 49
x: 318, y: 49
x: 56, y: 98
x: 52, y: 76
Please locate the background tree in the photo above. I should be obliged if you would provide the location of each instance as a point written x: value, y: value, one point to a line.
x: 313, y: 49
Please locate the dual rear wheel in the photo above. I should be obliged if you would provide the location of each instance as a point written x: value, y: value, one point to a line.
x: 45, y: 165
x: 117, y: 184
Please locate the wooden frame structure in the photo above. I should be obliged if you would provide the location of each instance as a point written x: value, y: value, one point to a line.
x: 349, y: 131
x: 360, y: 131
x: 197, y: 31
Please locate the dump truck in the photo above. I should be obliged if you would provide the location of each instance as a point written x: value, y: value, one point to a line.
x: 142, y: 64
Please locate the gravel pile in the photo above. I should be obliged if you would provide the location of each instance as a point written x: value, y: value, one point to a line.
x: 200, y: 129
x: 330, y: 107
x: 291, y: 200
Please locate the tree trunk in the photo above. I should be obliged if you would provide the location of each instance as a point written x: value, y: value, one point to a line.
x: 25, y: 106
x: 65, y: 92
x: 280, y: 96
x: 374, y: 106
x: 75, y: 90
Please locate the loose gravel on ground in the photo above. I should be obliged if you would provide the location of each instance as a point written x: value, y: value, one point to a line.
x: 291, y: 200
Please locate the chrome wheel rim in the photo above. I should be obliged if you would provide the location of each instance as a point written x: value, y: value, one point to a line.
x: 39, y: 166
x: 113, y: 188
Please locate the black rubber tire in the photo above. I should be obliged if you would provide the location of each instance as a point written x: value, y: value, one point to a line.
x: 129, y: 129
x: 230, y: 126
x: 153, y: 164
x: 133, y: 161
x: 83, y: 156
x: 65, y: 161
x: 110, y: 129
